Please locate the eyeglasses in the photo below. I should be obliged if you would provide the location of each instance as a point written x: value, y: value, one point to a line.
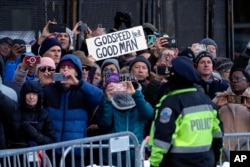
x: 237, y: 79
x: 49, y: 69
x: 87, y: 68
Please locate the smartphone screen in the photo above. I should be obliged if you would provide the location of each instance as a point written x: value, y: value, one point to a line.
x: 58, y: 77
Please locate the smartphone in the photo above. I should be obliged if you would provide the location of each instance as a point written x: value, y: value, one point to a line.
x: 32, y: 59
x: 236, y: 99
x: 58, y: 77
x: 57, y: 28
x: 119, y: 87
x: 151, y: 39
x: 84, y: 27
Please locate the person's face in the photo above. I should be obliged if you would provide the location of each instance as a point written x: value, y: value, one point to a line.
x: 5, y: 49
x: 140, y: 70
x: 167, y: 56
x: 97, y: 77
x: 212, y: 50
x: 64, y: 40
x: 238, y: 82
x: 31, y: 99
x: 44, y: 75
x: 205, y: 66
x: 55, y: 53
x: 85, y: 72
x: 68, y: 69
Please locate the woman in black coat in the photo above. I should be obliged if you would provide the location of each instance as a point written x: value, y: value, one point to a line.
x: 32, y: 124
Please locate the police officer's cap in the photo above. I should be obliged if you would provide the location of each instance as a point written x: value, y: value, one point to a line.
x: 183, y: 67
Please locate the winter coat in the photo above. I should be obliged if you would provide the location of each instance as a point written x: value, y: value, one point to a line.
x: 235, y: 117
x: 32, y: 126
x: 70, y: 108
x: 132, y: 120
x: 7, y: 107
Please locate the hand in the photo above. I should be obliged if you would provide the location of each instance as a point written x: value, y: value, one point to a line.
x: 159, y: 43
x: 45, y: 33
x: 71, y: 79
x: 130, y: 88
x: 75, y: 30
x: 127, y: 19
x: 91, y: 58
x: 118, y: 20
x: 109, y: 90
x: 16, y: 50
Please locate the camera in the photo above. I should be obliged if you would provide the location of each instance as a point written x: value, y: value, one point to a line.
x: 171, y: 42
x: 58, y: 77
x: 236, y: 99
x: 130, y: 77
x: 32, y: 59
x: 163, y: 70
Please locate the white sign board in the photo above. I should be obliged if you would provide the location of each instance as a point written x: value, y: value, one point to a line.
x: 117, y: 43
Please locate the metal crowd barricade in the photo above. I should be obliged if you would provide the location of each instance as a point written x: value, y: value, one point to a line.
x: 119, y: 144
x: 235, y: 142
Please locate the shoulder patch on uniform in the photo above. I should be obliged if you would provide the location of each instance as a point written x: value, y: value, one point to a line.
x: 165, y: 115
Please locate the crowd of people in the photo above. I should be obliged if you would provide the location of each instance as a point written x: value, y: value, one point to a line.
x: 175, y: 96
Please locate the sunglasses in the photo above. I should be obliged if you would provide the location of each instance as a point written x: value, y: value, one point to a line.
x: 49, y: 69
x: 87, y: 68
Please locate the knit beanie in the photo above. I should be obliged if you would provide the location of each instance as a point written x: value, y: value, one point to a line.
x: 46, y: 62
x: 85, y: 61
x: 110, y: 61
x: 140, y: 58
x: 201, y: 55
x: 209, y: 41
x: 47, y: 44
x: 222, y: 64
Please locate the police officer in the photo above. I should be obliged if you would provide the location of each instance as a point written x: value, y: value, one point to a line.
x: 186, y: 131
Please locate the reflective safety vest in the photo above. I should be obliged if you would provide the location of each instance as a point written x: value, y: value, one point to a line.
x: 195, y: 126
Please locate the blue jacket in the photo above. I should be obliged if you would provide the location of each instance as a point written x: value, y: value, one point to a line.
x: 70, y: 108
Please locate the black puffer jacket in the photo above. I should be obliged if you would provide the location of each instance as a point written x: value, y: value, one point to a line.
x: 32, y: 125
x: 7, y: 107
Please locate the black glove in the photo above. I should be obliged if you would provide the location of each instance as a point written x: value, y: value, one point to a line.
x: 118, y: 20
x: 127, y: 19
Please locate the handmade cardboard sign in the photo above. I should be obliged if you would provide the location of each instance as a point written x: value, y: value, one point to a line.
x: 117, y: 43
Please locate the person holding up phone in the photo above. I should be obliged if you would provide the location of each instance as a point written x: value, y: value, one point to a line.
x: 123, y: 109
x: 72, y: 103
x: 64, y: 37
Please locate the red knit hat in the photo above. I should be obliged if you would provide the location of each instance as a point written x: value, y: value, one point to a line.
x: 68, y: 63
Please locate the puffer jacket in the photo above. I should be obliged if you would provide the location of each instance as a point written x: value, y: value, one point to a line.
x: 70, y: 108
